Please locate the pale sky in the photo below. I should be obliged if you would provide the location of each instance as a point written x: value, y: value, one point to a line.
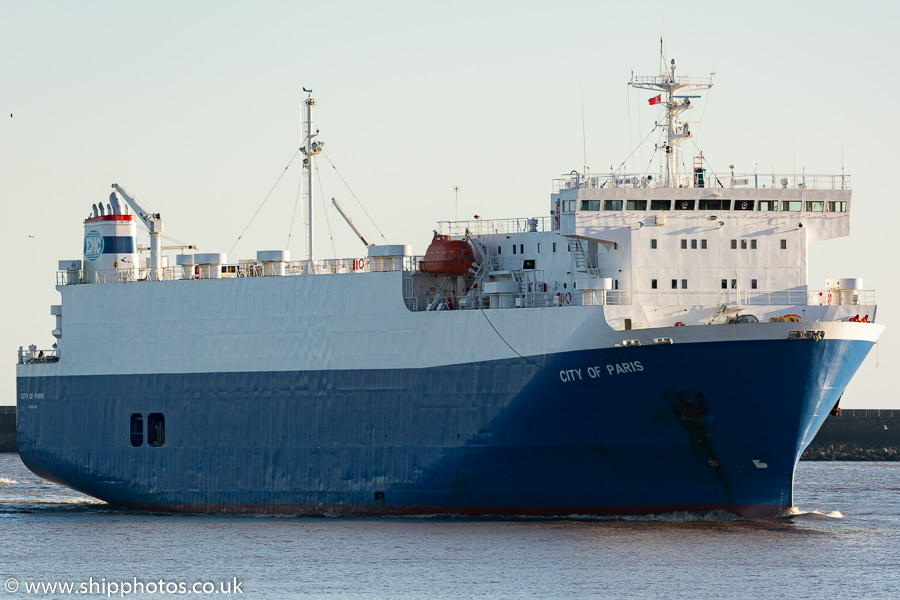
x: 194, y: 107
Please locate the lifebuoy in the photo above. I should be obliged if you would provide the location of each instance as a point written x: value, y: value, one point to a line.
x: 567, y: 298
x: 359, y: 264
x: 684, y: 205
x: 744, y: 205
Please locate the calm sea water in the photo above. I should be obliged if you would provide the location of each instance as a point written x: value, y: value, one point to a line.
x: 843, y: 543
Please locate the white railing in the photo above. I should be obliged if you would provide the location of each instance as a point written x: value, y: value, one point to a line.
x: 732, y: 298
x: 375, y: 264
x: 487, y: 226
x: 711, y: 181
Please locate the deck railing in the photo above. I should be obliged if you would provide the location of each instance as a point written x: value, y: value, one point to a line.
x: 710, y: 180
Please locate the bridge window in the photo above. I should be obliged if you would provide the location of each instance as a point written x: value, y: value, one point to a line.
x: 636, y: 205
x: 715, y: 204
x: 744, y: 205
x: 590, y: 205
x: 684, y: 205
x: 137, y: 430
x: 768, y: 205
x: 815, y: 206
x: 837, y: 207
x: 612, y: 205
x: 660, y: 205
x: 156, y: 429
x: 790, y: 205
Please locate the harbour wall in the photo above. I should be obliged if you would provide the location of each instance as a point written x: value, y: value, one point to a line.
x: 855, y: 434
x: 7, y: 428
x: 858, y: 434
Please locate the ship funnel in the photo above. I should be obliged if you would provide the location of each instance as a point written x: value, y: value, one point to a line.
x: 96, y: 214
x: 116, y: 205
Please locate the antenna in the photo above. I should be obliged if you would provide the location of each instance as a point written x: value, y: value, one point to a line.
x: 456, y: 191
x: 583, y: 131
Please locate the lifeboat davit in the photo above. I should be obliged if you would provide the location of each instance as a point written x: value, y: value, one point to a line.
x: 446, y: 257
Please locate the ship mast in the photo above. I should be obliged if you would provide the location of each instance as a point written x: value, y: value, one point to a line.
x: 310, y: 149
x: 669, y: 83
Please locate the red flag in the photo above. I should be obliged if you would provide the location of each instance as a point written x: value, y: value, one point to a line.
x: 656, y: 100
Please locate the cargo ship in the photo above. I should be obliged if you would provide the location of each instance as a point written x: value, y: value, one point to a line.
x: 649, y: 345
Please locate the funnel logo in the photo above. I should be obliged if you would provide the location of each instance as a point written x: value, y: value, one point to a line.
x: 93, y: 245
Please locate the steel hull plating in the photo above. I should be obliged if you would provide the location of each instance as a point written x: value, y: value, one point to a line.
x: 634, y: 430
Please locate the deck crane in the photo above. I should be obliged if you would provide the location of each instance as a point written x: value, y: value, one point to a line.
x: 350, y: 222
x: 154, y: 224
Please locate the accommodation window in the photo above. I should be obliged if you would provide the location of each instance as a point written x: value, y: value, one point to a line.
x: 684, y: 284
x: 514, y: 248
x: 156, y: 429
x: 734, y: 284
x: 734, y: 244
x: 653, y: 244
x: 615, y: 245
x: 539, y: 247
x: 753, y: 283
x: 137, y: 430
x: 724, y: 284
x: 684, y: 244
x: 743, y: 244
x: 693, y: 244
x: 653, y: 284
x: 674, y: 284
x: 636, y: 205
x: 660, y: 204
x: 612, y: 205
x: 521, y: 248
x: 703, y: 244
x: 753, y: 244
x: 784, y: 244
x: 590, y: 205
x: 554, y: 246
x: 499, y: 249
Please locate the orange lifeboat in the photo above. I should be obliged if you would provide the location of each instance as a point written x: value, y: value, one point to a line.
x: 446, y: 257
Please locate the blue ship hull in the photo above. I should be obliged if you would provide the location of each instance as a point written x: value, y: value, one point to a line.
x: 633, y: 430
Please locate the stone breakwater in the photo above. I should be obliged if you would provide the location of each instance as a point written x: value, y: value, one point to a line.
x: 852, y: 435
x: 7, y: 428
x: 858, y: 434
